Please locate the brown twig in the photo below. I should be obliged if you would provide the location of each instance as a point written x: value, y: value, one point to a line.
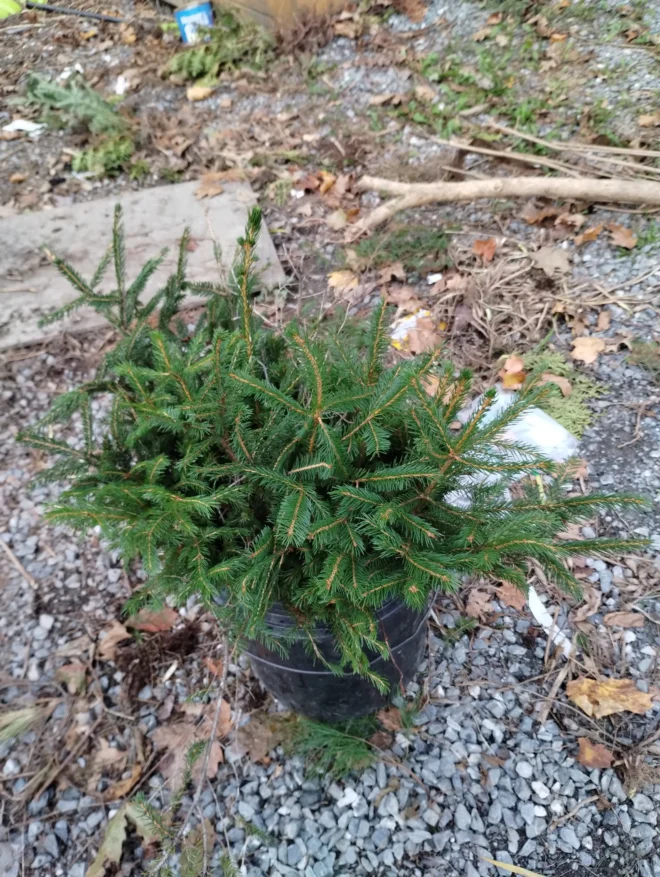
x: 18, y: 565
x: 552, y: 694
x: 561, y: 819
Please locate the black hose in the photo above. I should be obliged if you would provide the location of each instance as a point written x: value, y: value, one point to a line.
x: 63, y: 10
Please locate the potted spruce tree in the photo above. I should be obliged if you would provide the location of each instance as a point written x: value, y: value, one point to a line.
x: 313, y: 498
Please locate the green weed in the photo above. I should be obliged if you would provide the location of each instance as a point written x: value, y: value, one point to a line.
x: 463, y: 626
x: 571, y: 411
x: 108, y: 158
x: 139, y: 170
x: 333, y: 749
x: 649, y: 235
x: 418, y: 247
x: 647, y: 355
x: 171, y: 175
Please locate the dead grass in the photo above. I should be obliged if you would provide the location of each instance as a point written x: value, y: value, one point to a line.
x: 493, y: 309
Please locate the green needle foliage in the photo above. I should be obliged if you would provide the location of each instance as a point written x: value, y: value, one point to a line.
x: 246, y: 466
x: 333, y: 750
x: 230, y: 44
x: 75, y: 102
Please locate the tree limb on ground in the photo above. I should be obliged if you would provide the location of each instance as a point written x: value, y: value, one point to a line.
x: 409, y: 195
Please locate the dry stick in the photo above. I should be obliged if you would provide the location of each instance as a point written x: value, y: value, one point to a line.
x: 560, y: 146
x: 552, y: 694
x: 524, y: 157
x: 560, y: 821
x: 581, y: 189
x: 18, y: 565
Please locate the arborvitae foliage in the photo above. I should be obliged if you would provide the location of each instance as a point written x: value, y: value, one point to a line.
x: 245, y: 466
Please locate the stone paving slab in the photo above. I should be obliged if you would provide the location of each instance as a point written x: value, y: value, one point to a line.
x: 153, y: 219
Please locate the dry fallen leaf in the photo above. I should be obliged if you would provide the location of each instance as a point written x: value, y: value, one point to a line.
x: 486, y: 249
x: 621, y: 236
x: 215, y: 667
x: 178, y: 738
x: 651, y: 120
x: 593, y: 755
x: 574, y: 220
x: 110, y: 639
x: 108, y: 756
x: 414, y: 9
x: 604, y: 320
x: 153, y: 620
x: 73, y: 676
x: 327, y: 181
x: 586, y: 348
x: 533, y: 214
x: 425, y: 93
x: 199, y: 92
x: 336, y: 220
x: 378, y: 100
x: 122, y: 787
x: 390, y: 718
x: 482, y: 34
x: 495, y: 18
x: 261, y: 735
x: 511, y: 596
x: 592, y: 600
x: 624, y: 619
x: 551, y: 260
x: 109, y: 854
x: 478, y: 604
x: 393, y: 271
x: 424, y: 337
x: 512, y: 374
x: 589, y: 234
x: 342, y: 280
x: 563, y: 383
x: 610, y: 696
x: 18, y: 177
x: 81, y: 644
x: 512, y: 869
x: 209, y: 185
x: 405, y: 298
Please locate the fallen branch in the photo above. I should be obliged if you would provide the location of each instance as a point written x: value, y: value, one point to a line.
x: 409, y: 195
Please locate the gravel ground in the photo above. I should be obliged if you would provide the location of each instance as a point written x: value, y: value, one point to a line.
x: 476, y: 775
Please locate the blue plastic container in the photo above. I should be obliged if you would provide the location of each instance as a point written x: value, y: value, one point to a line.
x: 191, y: 19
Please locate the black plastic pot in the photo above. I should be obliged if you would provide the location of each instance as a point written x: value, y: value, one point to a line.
x: 305, y: 685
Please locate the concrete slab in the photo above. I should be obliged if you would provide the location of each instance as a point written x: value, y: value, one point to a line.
x: 153, y: 219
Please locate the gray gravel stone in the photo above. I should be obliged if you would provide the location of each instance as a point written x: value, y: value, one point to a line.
x: 524, y: 769
x: 380, y: 838
x: 495, y: 813
x: 293, y: 855
x: 462, y: 818
x: 567, y: 834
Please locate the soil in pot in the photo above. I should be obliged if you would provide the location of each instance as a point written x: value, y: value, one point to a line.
x: 303, y: 684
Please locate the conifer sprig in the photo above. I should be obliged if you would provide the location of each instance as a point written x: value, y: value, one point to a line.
x: 250, y: 467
